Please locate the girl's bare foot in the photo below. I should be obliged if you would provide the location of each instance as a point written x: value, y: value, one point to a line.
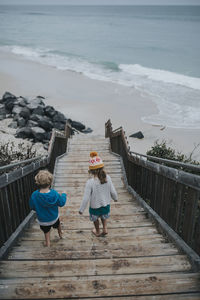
x: 104, y: 232
x: 95, y: 232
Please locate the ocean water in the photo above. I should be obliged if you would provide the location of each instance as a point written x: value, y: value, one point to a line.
x: 155, y: 49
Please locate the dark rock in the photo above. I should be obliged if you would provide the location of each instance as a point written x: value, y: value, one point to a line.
x: 25, y: 113
x: 31, y: 123
x: 2, y: 117
x: 39, y: 110
x: 41, y: 97
x: 17, y: 109
x: 2, y: 109
x: 77, y: 125
x: 35, y: 117
x: 87, y: 130
x: 50, y: 111
x: 42, y: 121
x: 21, y: 101
x: 48, y: 135
x: 38, y: 133
x: 21, y: 122
x: 16, y: 117
x: 138, y: 135
x: 13, y: 125
x: 46, y: 146
x: 59, y: 126
x: 45, y: 123
x: 7, y: 96
x: 9, y: 104
x: 24, y: 132
x: 9, y: 116
x: 59, y: 117
x: 33, y: 104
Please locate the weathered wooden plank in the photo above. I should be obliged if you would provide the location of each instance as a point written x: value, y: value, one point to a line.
x: 75, y: 234
x: 90, y: 286
x: 70, y: 252
x: 66, y: 268
x: 85, y: 171
x: 115, y: 209
x: 128, y: 212
x: 115, y: 242
x: 186, y: 296
x: 111, y: 225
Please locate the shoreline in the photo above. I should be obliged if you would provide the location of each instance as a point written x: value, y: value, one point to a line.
x: 93, y: 102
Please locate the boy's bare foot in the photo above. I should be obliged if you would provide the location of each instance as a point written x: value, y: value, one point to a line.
x: 95, y: 232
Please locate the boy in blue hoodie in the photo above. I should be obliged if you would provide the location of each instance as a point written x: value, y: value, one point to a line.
x: 45, y: 201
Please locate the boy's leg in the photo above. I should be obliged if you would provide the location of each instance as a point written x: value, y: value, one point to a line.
x: 47, y: 238
x: 104, y: 222
x: 60, y: 231
x: 96, y: 230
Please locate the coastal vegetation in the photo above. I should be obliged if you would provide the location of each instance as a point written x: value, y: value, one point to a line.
x: 162, y: 150
x: 9, y: 153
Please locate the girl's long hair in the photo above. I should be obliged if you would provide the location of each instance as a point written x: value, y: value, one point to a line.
x: 100, y: 173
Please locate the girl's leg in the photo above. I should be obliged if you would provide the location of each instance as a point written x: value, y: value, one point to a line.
x: 104, y: 222
x: 59, y: 231
x: 96, y: 230
x: 47, y: 238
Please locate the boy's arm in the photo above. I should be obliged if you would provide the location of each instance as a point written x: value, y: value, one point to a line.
x: 86, y: 197
x: 62, y: 199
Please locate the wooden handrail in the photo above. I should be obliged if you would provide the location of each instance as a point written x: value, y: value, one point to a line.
x: 17, y: 186
x: 172, y: 193
x: 17, y: 164
x: 173, y: 163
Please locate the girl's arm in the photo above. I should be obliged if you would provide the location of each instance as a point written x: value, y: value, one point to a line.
x: 113, y: 192
x: 86, y: 196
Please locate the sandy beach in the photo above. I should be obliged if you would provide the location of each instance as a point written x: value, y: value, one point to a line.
x: 93, y: 102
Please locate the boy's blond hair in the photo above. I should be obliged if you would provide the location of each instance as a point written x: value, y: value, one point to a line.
x: 43, y: 179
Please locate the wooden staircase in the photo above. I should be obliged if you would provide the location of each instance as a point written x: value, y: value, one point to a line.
x: 133, y: 261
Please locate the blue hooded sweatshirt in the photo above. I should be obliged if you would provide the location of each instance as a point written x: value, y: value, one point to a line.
x: 46, y: 204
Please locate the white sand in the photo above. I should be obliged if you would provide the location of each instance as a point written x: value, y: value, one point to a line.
x: 93, y: 102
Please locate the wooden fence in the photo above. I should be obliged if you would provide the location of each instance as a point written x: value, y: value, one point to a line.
x: 172, y: 193
x: 17, y: 186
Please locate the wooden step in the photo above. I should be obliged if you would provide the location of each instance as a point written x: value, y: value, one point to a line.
x: 67, y: 268
x: 59, y: 252
x: 93, y: 286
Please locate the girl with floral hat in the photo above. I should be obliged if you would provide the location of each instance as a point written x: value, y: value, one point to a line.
x: 98, y: 192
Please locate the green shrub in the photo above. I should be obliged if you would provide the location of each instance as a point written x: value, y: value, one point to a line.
x: 161, y: 150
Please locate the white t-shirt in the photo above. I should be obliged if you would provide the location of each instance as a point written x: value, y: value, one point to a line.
x: 98, y: 194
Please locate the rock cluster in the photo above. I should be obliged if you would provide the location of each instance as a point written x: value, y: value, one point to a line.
x: 138, y: 135
x: 33, y: 119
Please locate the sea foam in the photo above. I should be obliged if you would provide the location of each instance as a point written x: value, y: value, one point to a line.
x: 162, y: 75
x: 177, y: 96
